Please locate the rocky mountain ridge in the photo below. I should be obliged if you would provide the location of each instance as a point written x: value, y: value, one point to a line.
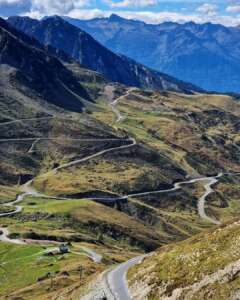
x: 205, y: 54
x: 60, y: 34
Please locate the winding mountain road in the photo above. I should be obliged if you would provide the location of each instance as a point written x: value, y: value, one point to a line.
x: 31, y: 149
x: 116, y: 284
x: 95, y: 257
x: 57, y: 139
x: 27, y: 190
x: 202, y: 200
x: 4, y: 237
x: 78, y: 161
x: 25, y: 120
x: 116, y: 278
x: 109, y: 93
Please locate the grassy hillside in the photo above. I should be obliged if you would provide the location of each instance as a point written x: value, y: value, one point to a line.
x: 49, y: 277
x: 203, y: 267
x: 43, y: 224
x: 189, y: 129
x: 176, y: 136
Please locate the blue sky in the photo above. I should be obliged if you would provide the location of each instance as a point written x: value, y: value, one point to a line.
x: 151, y: 11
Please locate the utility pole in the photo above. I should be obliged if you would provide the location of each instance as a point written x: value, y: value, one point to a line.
x: 80, y: 269
x: 50, y: 276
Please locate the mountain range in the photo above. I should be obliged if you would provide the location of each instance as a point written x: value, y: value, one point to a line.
x: 208, y: 55
x: 112, y: 174
x: 60, y: 34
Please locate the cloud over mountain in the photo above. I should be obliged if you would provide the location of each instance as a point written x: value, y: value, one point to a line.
x: 150, y: 11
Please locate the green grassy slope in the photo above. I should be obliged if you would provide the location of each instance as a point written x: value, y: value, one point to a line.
x: 205, y: 266
x: 176, y: 135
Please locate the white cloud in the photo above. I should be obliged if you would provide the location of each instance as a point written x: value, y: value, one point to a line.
x: 9, y: 2
x: 86, y: 14
x: 57, y: 7
x: 208, y: 9
x: 233, y: 9
x: 86, y: 9
x: 154, y: 17
x: 132, y: 3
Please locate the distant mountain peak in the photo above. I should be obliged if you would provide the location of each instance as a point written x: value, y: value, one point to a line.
x: 191, y: 23
x: 115, y: 17
x: 50, y: 17
x: 54, y: 18
x: 119, y: 19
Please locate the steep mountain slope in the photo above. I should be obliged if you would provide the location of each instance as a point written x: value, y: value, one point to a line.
x: 206, y: 266
x: 28, y: 71
x: 207, y: 55
x: 82, y: 47
x: 35, y: 86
